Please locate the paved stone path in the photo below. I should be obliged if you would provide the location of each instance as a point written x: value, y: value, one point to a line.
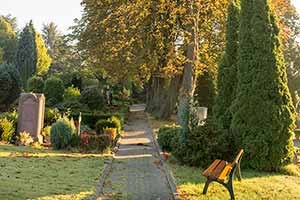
x: 136, y: 171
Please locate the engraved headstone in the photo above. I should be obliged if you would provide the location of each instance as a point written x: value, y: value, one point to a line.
x: 31, y: 114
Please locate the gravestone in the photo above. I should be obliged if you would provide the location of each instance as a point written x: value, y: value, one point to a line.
x: 31, y: 114
x: 199, y: 115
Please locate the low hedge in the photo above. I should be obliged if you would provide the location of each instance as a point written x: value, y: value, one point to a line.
x: 112, y: 122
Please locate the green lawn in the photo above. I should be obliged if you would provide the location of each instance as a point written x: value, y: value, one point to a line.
x: 255, y: 185
x: 43, y: 174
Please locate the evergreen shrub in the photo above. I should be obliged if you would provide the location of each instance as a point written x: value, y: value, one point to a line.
x: 112, y: 122
x: 10, y: 84
x: 35, y: 84
x: 62, y: 132
x: 166, y: 135
x: 93, y: 98
x: 54, y: 90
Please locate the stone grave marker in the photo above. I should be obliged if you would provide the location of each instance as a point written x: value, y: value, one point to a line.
x: 31, y: 115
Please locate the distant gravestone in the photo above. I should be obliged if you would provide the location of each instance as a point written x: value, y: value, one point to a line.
x: 31, y: 114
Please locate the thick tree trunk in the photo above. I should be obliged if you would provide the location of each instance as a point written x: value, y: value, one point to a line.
x: 189, y: 77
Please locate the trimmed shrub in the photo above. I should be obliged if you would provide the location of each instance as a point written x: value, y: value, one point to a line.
x: 62, y: 132
x: 54, y: 90
x: 51, y: 116
x: 112, y: 122
x: 165, y: 136
x: 95, y: 142
x: 7, y: 130
x: 93, y: 98
x: 35, y: 84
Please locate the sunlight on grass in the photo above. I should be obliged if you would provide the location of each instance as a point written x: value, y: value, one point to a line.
x: 43, y: 174
x: 255, y: 185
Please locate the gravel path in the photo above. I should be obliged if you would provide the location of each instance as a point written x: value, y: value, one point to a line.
x: 136, y: 171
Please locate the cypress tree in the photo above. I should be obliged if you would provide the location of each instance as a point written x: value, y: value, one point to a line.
x: 227, y: 72
x: 26, y: 59
x: 263, y: 113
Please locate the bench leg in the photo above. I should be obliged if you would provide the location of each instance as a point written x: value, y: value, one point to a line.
x: 230, y: 190
x: 206, y: 186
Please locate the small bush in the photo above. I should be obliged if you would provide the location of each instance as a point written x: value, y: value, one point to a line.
x: 95, y: 142
x: 35, y: 84
x: 75, y: 141
x: 7, y: 130
x: 47, y: 131
x: 93, y: 98
x: 204, y: 144
x: 72, y: 94
x: 11, y: 116
x: 62, y: 132
x: 91, y: 119
x: 54, y: 90
x: 24, y: 139
x: 111, y: 132
x: 165, y: 136
x: 112, y: 122
x: 51, y: 116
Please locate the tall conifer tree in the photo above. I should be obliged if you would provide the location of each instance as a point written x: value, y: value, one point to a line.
x: 26, y: 59
x: 8, y: 41
x: 263, y: 113
x: 227, y: 79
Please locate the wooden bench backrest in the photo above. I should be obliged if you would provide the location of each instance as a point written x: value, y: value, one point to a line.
x: 237, y: 158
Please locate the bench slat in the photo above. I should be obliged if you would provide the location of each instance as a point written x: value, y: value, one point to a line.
x: 225, y: 172
x: 207, y: 172
x: 217, y: 171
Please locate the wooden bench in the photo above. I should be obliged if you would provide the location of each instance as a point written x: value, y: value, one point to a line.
x: 223, y: 172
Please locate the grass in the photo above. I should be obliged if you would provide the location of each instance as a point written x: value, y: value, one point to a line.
x: 44, y: 174
x: 255, y: 185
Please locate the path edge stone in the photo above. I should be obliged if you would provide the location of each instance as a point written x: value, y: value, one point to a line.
x: 170, y: 178
x: 107, y: 170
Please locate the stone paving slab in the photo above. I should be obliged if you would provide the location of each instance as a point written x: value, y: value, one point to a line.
x: 136, y: 171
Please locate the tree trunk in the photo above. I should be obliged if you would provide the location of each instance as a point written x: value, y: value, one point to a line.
x: 189, y: 78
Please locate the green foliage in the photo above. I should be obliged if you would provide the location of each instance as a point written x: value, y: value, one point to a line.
x: 91, y: 119
x: 99, y: 143
x: 54, y: 90
x: 204, y: 144
x: 93, y: 98
x: 72, y: 94
x: 26, y: 56
x: 7, y: 130
x: 8, y: 41
x: 43, y: 59
x: 206, y: 90
x: 35, y: 84
x: 166, y: 135
x: 51, y: 116
x: 47, y: 131
x: 112, y: 122
x: 10, y: 84
x: 227, y: 73
x: 62, y: 132
x: 263, y: 113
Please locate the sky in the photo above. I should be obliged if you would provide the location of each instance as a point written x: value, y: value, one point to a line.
x: 62, y: 12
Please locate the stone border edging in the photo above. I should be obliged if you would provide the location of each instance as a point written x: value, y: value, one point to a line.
x: 166, y: 170
x: 107, y: 170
